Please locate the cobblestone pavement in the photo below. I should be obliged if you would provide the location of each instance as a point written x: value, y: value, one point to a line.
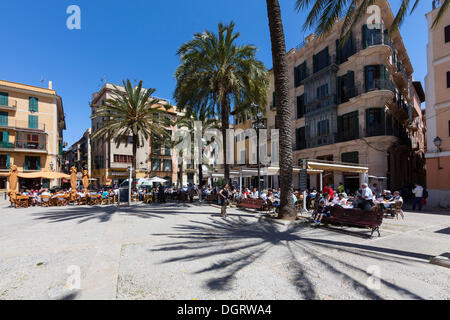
x: 182, y: 251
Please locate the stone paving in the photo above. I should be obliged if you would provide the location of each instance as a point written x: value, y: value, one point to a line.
x: 183, y: 251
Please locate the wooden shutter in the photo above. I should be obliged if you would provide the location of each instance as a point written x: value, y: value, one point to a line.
x: 8, y: 159
x: 26, y: 163
x: 338, y: 52
x: 4, y: 118
x: 339, y: 89
x: 38, y: 163
x: 447, y: 33
x: 5, y: 137
x: 33, y: 104
x: 32, y: 122
x: 3, y: 99
x: 366, y: 77
x: 448, y: 79
x: 356, y: 119
x: 364, y: 36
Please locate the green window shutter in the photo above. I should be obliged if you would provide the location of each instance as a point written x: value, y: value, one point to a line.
x: 356, y: 119
x: 8, y: 159
x: 33, y: 104
x: 26, y: 163
x: 364, y: 36
x: 339, y: 89
x: 4, y: 118
x: 32, y: 122
x: 5, y: 137
x: 3, y: 99
x: 38, y: 163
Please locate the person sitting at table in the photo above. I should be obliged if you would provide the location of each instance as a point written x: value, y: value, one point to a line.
x: 105, y: 194
x: 340, y: 200
x: 323, y: 209
x: 365, y: 201
x: 387, y: 195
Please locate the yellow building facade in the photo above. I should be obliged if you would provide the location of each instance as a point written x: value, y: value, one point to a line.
x: 31, y: 131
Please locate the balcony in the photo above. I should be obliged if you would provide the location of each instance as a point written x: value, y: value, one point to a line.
x: 120, y: 165
x: 318, y: 141
x: 22, y: 125
x: 379, y: 84
x: 345, y: 136
x: 320, y: 103
x: 6, y: 145
x: 8, y: 104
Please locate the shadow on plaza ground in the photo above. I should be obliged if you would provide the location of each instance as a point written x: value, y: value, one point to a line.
x: 105, y: 213
x: 237, y: 243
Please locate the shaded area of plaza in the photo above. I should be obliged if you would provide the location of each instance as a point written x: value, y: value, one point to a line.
x: 187, y: 251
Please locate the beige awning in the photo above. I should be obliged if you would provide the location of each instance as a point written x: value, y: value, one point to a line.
x: 336, y: 167
x: 44, y: 175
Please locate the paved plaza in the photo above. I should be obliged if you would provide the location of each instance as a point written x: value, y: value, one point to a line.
x: 187, y: 251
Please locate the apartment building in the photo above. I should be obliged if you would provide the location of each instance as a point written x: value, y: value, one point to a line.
x: 78, y: 154
x: 31, y: 124
x: 111, y: 160
x: 357, y: 103
x: 437, y: 84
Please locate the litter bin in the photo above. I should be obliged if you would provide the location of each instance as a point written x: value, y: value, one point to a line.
x: 123, y: 194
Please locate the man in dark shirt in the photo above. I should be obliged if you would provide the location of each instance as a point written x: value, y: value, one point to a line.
x: 223, y: 196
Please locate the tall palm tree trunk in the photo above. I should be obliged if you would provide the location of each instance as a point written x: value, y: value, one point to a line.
x: 225, y: 126
x: 287, y: 209
x: 135, y: 146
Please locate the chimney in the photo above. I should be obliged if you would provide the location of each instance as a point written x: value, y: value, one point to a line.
x: 50, y: 85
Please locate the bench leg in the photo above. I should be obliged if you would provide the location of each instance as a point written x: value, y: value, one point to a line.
x: 377, y: 229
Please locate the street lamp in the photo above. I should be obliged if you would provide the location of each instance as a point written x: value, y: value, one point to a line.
x: 437, y: 142
x: 258, y: 125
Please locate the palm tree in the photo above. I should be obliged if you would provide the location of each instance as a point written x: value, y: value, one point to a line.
x: 203, y: 115
x: 218, y: 73
x: 323, y: 14
x: 131, y: 112
x: 284, y: 113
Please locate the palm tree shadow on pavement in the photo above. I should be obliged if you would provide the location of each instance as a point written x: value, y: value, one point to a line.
x: 238, y: 243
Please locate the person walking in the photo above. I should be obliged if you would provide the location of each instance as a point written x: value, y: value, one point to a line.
x: 418, y: 196
x: 223, y: 195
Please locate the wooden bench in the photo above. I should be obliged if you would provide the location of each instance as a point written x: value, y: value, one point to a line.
x: 257, y: 204
x: 356, y: 218
x: 211, y: 198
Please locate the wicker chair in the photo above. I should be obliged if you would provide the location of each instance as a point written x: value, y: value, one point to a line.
x: 22, y: 202
x: 398, y: 209
x: 45, y: 201
x: 95, y: 199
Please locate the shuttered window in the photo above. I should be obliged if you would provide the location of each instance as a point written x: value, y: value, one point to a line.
x: 33, y: 104
x: 448, y: 79
x: 300, y: 106
x: 447, y: 33
x: 350, y: 157
x: 3, y: 99
x: 4, y: 118
x: 33, y: 122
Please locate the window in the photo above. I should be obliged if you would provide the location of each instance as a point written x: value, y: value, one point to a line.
x: 376, y: 77
x: 322, y: 91
x: 323, y: 127
x: 375, y: 122
x: 346, y: 87
x: 348, y: 127
x: 167, y: 165
x: 300, y: 74
x: 350, y: 157
x: 123, y: 158
x: 32, y: 163
x: 3, y: 99
x: 300, y: 138
x: 371, y: 37
x: 321, y: 60
x: 300, y: 106
x: 4, y: 161
x: 99, y: 162
x: 345, y: 51
x: 4, y: 118
x: 28, y: 140
x: 448, y: 79
x: 447, y: 33
x: 33, y: 104
x: 32, y: 122
x: 156, y: 165
x: 3, y: 183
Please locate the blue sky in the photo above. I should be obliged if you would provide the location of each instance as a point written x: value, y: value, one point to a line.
x: 138, y: 39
